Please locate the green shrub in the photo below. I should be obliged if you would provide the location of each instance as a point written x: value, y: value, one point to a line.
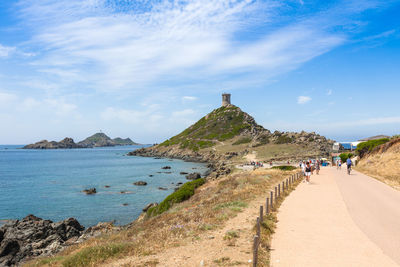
x: 366, y: 147
x: 284, y: 168
x: 345, y: 156
x: 204, y: 144
x: 243, y: 140
x: 182, y: 194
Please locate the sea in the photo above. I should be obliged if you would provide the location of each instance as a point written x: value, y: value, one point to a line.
x: 49, y: 183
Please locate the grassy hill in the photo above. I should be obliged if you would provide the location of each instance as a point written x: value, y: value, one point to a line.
x: 220, y: 125
x: 382, y: 162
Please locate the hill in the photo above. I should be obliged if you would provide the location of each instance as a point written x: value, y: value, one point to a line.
x: 382, y: 163
x: 228, y: 134
x: 124, y: 142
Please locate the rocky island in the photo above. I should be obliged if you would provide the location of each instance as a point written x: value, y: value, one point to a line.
x: 96, y: 140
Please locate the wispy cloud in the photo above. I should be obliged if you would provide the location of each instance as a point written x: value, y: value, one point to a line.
x: 5, y: 51
x: 149, y: 43
x: 189, y: 98
x: 303, y: 100
x: 329, y: 92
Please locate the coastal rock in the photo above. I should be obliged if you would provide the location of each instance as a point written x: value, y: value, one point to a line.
x: 90, y: 191
x: 148, y: 206
x: 33, y: 236
x: 140, y: 183
x: 183, y: 173
x: 193, y: 176
x: 96, y: 140
x: 166, y: 167
x: 162, y: 188
x: 44, y: 144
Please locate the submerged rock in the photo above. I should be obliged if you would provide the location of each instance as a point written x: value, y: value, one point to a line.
x: 90, y: 191
x: 166, y: 167
x: 183, y: 173
x: 162, y: 188
x: 141, y: 183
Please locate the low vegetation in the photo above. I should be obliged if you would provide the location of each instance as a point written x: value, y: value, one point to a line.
x: 366, y: 147
x: 182, y: 194
x: 345, y: 156
x: 284, y: 168
x: 243, y: 140
x: 207, y: 210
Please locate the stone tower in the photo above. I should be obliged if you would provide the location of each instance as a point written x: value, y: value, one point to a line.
x: 226, y: 99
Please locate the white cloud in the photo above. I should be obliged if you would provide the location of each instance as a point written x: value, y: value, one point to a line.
x: 189, y: 98
x: 95, y: 44
x: 303, y: 100
x: 5, y: 51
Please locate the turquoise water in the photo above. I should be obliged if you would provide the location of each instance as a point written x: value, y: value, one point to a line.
x: 48, y: 183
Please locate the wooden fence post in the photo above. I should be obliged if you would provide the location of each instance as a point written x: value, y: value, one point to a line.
x: 272, y: 200
x: 258, y: 226
x: 255, y: 251
x: 279, y: 190
x: 287, y: 183
x: 261, y: 214
x: 276, y: 192
x: 267, y: 206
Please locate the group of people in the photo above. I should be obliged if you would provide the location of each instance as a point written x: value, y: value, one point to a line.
x: 308, y: 168
x: 349, y: 163
x: 256, y: 164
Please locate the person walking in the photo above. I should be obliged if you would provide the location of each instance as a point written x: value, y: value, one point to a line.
x: 317, y: 167
x: 308, y: 172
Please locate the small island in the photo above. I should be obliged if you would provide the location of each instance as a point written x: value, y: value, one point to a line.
x: 96, y: 140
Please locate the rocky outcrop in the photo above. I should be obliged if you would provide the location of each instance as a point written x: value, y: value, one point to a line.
x: 66, y: 143
x: 33, y: 236
x: 96, y: 140
x: 193, y: 176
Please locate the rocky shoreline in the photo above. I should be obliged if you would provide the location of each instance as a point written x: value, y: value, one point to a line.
x: 21, y: 240
x: 217, y: 164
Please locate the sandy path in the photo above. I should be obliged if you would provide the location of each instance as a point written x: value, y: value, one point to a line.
x: 316, y: 229
x: 211, y: 246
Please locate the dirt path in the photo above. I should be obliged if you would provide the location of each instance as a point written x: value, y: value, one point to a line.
x: 315, y: 227
x: 211, y: 249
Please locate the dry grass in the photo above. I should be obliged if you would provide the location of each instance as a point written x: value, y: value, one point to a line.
x: 213, y: 204
x: 383, y: 166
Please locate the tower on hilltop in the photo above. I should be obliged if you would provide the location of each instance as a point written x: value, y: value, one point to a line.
x: 226, y: 99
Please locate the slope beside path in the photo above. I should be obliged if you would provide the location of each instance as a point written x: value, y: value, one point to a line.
x: 338, y: 220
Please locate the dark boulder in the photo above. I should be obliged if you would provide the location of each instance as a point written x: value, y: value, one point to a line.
x: 183, y: 173
x: 162, y: 188
x: 193, y: 176
x: 33, y: 236
x: 140, y: 183
x: 90, y: 191
x: 166, y: 167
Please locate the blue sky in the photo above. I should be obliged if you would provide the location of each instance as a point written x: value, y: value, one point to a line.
x: 148, y: 69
